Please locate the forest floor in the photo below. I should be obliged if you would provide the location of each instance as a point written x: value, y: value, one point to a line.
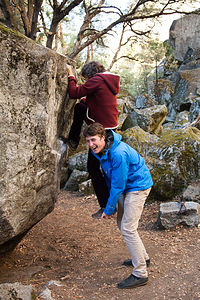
x: 78, y: 257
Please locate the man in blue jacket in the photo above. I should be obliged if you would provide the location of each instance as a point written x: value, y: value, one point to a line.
x: 129, y: 182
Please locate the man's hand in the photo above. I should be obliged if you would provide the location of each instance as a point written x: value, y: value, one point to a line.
x: 69, y: 70
x: 104, y: 216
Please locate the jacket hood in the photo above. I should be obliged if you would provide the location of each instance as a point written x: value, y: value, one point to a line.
x: 109, y: 146
x: 117, y: 138
x: 111, y: 80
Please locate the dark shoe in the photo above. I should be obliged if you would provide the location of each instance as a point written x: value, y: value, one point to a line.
x: 64, y: 139
x: 98, y: 214
x: 128, y: 263
x: 72, y: 145
x: 132, y: 282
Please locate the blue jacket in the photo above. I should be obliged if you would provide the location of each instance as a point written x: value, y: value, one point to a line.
x: 125, y: 171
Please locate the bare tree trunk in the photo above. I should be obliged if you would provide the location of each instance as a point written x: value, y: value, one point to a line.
x: 34, y: 23
x: 118, y: 48
x: 51, y: 33
x: 26, y: 21
x: 62, y: 39
x: 58, y: 14
x: 90, y: 53
x: 90, y: 13
x: 8, y: 14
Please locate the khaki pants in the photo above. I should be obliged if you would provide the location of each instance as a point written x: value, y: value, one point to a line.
x: 130, y: 207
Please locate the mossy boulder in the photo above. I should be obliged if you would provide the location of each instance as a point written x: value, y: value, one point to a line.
x: 149, y: 119
x: 34, y: 112
x: 173, y: 158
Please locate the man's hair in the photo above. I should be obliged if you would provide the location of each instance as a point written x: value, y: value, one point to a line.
x: 95, y: 129
x: 91, y: 68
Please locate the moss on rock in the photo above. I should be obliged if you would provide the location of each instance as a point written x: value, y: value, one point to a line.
x: 173, y: 158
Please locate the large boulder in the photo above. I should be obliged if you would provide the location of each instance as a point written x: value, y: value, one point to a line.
x: 78, y: 161
x: 34, y: 111
x: 173, y: 158
x: 149, y: 119
x: 185, y: 35
x: 75, y: 178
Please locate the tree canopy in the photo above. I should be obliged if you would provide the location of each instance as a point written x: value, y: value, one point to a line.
x: 95, y: 19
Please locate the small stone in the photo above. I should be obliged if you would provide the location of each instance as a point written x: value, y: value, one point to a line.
x: 172, y: 214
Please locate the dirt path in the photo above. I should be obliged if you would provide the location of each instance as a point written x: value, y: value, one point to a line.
x: 81, y: 258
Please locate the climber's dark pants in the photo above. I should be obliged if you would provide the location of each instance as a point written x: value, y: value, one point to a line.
x: 93, y: 164
x: 80, y: 111
x: 98, y: 180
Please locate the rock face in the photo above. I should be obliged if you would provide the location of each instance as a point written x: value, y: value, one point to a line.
x: 16, y: 291
x: 173, y: 158
x: 192, y: 193
x: 185, y: 35
x: 149, y: 119
x: 33, y: 113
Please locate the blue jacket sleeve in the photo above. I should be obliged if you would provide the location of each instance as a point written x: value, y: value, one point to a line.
x: 119, y: 175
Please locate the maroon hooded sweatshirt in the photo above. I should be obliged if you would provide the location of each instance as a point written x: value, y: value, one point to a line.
x: 101, y: 100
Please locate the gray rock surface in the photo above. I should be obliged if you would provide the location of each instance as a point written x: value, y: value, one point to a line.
x: 15, y: 291
x: 78, y: 161
x: 172, y: 214
x: 140, y: 101
x: 149, y: 119
x: 33, y: 110
x: 173, y: 158
x: 192, y: 192
x: 75, y: 179
x: 185, y: 35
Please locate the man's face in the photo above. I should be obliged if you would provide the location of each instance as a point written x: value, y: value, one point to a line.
x: 96, y: 143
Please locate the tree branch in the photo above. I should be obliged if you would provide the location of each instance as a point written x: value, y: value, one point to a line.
x: 135, y: 14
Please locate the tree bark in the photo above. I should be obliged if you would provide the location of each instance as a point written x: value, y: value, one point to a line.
x: 34, y: 23
x: 58, y: 14
x: 8, y: 14
x: 118, y: 48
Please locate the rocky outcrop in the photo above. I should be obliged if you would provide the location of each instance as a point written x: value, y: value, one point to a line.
x: 184, y: 35
x: 173, y: 158
x: 149, y: 119
x: 186, y: 95
x: 184, y: 79
x: 34, y: 111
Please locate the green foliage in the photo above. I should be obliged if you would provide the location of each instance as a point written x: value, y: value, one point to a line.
x: 171, y: 64
x: 145, y: 58
x: 152, y: 51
